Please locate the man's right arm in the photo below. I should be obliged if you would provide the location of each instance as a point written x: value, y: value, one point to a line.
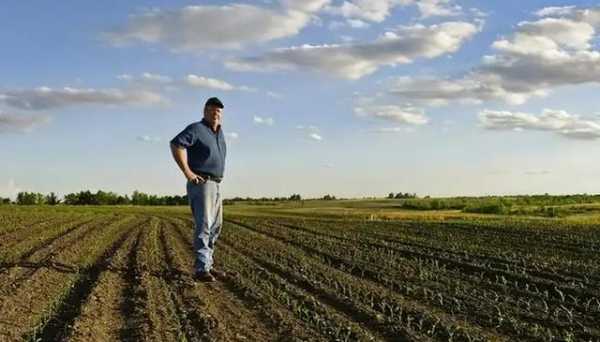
x: 180, y: 155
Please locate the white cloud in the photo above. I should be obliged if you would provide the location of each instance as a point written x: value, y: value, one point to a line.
x: 555, y: 11
x: 396, y: 129
x: 477, y: 12
x: 195, y: 81
x: 371, y: 10
x: 311, y: 132
x: 202, y: 27
x: 353, y: 61
x: 48, y: 98
x: 547, y: 38
x: 206, y: 82
x: 149, y: 139
x: 556, y: 121
x: 309, y: 127
x: 544, y: 54
x: 315, y: 136
x: 540, y: 56
x: 274, y: 95
x: 473, y: 88
x: 309, y: 6
x: 438, y: 8
x: 150, y: 77
x: 263, y: 121
x: 12, y: 123
x: 406, y: 115
x: 379, y: 10
x: 125, y: 77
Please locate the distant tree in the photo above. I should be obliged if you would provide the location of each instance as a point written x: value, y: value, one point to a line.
x: 30, y: 198
x: 86, y: 197
x: 403, y: 195
x: 391, y: 195
x: 52, y: 199
x: 81, y: 198
x: 121, y: 200
x: 139, y: 198
x: 328, y: 197
x: 295, y: 197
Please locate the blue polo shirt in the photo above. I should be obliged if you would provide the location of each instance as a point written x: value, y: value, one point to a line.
x: 206, y: 149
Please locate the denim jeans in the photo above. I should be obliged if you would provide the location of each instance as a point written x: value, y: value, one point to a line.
x: 206, y: 203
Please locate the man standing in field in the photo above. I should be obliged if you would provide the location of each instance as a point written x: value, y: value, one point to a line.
x: 200, y: 151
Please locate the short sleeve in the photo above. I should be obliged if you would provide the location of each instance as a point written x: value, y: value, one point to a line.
x: 185, y: 138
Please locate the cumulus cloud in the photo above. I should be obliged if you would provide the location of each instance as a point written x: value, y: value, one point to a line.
x: 311, y: 132
x: 396, y: 129
x: 274, y: 94
x: 371, y: 10
x: 438, y: 8
x: 554, y: 11
x: 405, y: 115
x: 149, y: 139
x: 355, y: 60
x: 194, y: 81
x: 541, y: 55
x: 263, y: 121
x: 12, y: 123
x: 309, y: 127
x: 150, y: 77
x: 473, y: 88
x: 43, y: 98
x: 315, y: 136
x: 556, y: 121
x: 207, y: 82
x: 201, y: 27
x: 379, y: 10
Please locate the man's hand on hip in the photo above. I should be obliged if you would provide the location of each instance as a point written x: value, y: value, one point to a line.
x: 194, y: 178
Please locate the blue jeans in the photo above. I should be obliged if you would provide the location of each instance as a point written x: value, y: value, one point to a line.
x: 206, y: 203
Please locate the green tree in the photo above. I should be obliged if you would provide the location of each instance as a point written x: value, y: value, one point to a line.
x: 52, y: 199
x: 30, y: 198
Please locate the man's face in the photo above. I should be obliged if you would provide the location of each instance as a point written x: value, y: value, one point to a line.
x: 213, y: 114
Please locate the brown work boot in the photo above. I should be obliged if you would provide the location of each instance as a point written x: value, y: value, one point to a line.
x: 218, y: 274
x: 204, y: 277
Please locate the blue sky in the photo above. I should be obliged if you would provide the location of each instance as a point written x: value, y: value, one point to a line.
x: 352, y: 98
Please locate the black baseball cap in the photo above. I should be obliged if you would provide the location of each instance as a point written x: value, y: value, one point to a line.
x: 213, y: 101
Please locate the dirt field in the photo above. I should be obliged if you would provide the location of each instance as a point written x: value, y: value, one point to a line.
x: 107, y: 274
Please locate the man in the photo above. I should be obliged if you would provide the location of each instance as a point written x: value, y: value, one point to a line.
x: 200, y: 151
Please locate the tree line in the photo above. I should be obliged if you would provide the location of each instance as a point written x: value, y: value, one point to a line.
x: 98, y: 198
x: 137, y: 198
